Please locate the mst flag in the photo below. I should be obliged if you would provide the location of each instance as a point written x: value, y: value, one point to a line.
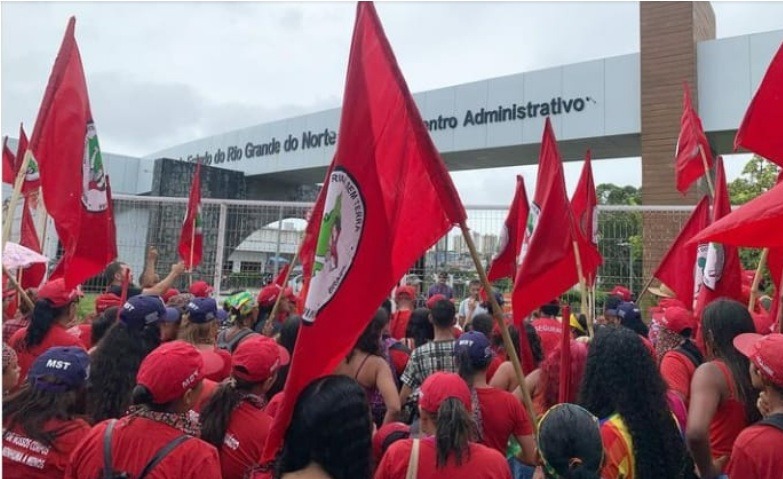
x: 719, y: 272
x: 9, y: 163
x: 12, y: 163
x: 34, y: 274
x: 75, y: 188
x: 678, y: 267
x: 761, y: 130
x: 548, y: 264
x: 191, y: 238
x: 504, y: 264
x: 584, y: 204
x: 388, y: 199
x: 688, y: 162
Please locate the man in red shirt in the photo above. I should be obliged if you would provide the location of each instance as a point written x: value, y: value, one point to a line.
x: 403, y: 298
x: 680, y: 362
x: 201, y: 289
x: 756, y: 452
x: 548, y: 327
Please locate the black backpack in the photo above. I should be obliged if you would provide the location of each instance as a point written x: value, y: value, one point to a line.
x: 108, y: 468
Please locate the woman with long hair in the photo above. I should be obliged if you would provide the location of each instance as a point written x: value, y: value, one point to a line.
x: 419, y: 330
x: 242, y: 316
x: 569, y: 444
x: 723, y: 401
x: 233, y: 419
x: 329, y: 433
x: 157, y: 435
x: 623, y: 388
x: 41, y: 423
x: 117, y: 357
x: 544, y: 392
x: 448, y: 450
x: 505, y: 378
x: 366, y: 364
x: 289, y: 330
x: 199, y: 327
x: 54, y: 310
x: 498, y: 414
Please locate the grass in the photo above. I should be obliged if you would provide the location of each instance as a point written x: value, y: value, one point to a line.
x: 87, y: 305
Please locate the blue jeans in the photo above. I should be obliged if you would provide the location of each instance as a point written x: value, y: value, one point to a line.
x: 519, y: 470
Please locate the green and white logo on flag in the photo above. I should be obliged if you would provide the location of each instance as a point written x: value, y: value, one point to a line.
x: 94, y: 195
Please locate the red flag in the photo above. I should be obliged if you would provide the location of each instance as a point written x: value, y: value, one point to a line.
x: 9, y: 163
x: 548, y: 264
x: 719, y: 268
x: 34, y: 274
x: 677, y: 267
x: 760, y: 131
x: 388, y: 199
x: 76, y: 190
x: 191, y: 238
x: 280, y: 280
x: 32, y: 177
x: 689, y: 165
x: 504, y: 264
x: 584, y: 204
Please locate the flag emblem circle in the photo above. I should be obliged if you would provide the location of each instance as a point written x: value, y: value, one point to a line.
x: 94, y: 197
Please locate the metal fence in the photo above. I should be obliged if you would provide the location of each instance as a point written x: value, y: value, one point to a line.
x: 247, y: 242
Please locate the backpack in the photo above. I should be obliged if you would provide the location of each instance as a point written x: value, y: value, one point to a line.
x: 108, y: 468
x: 773, y: 420
x: 231, y: 344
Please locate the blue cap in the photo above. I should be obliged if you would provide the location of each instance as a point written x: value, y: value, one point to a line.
x: 60, y: 369
x: 477, y: 345
x: 628, y: 312
x: 142, y: 310
x: 202, y: 310
x: 172, y: 315
x: 222, y: 315
x: 612, y: 305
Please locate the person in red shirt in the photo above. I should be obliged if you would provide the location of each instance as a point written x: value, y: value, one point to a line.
x: 499, y: 413
x: 18, y: 318
x: 199, y: 327
x: 403, y: 298
x: 233, y: 420
x: 756, y: 452
x: 723, y: 401
x: 448, y: 450
x: 168, y: 384
x: 681, y: 357
x: 505, y: 377
x: 548, y: 327
x: 266, y: 302
x: 200, y: 289
x: 55, y: 309
x: 40, y: 423
x: 287, y: 339
x: 545, y: 391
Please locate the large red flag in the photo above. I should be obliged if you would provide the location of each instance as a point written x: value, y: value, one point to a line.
x: 388, y: 199
x: 9, y: 163
x: 281, y: 275
x: 75, y: 188
x: 761, y: 129
x: 688, y: 162
x: 677, y: 268
x: 191, y: 238
x: 34, y: 274
x: 584, y: 204
x: 719, y: 272
x: 504, y: 264
x: 32, y: 177
x: 548, y: 263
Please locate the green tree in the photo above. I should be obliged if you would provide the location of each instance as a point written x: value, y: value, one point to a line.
x: 620, y: 235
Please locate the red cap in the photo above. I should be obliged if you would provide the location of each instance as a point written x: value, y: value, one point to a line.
x: 405, y: 291
x: 213, y: 362
x: 171, y: 292
x: 56, y: 292
x: 170, y: 370
x: 677, y: 320
x: 106, y: 301
x: 441, y: 386
x: 622, y: 292
x: 257, y: 358
x: 434, y: 299
x: 199, y: 289
x: 383, y: 437
x: 765, y: 352
x: 268, y: 295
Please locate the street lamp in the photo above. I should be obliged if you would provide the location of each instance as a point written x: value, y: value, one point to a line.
x: 630, y: 264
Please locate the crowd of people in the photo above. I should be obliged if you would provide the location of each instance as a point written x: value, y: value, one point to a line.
x: 160, y: 383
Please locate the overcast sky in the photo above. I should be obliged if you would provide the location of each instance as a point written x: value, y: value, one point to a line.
x: 160, y: 74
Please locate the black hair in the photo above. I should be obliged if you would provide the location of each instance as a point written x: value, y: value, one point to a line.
x: 113, y: 368
x: 534, y: 340
x: 141, y: 396
x: 454, y: 430
x: 370, y: 340
x: 443, y: 314
x: 419, y: 327
x: 483, y: 323
x: 387, y: 305
x: 569, y: 432
x: 467, y: 367
x: 621, y: 377
x: 289, y: 330
x: 31, y: 408
x: 101, y: 324
x: 111, y: 271
x: 722, y: 321
x: 215, y: 415
x: 634, y: 323
x: 550, y: 309
x: 45, y: 315
x: 330, y: 426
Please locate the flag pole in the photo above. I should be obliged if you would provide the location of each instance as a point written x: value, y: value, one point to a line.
x: 192, y: 249
x: 706, y: 171
x: 15, y: 197
x: 754, y: 289
x: 285, y: 282
x: 644, y: 290
x: 498, y: 314
x: 22, y: 293
x: 582, y: 282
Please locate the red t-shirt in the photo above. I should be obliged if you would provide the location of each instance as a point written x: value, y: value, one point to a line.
x: 677, y: 370
x: 134, y: 442
x: 57, y: 336
x: 274, y: 404
x: 207, y: 390
x: 756, y: 454
x: 502, y: 415
x: 399, y: 359
x: 83, y: 331
x: 244, y: 441
x: 28, y: 458
x: 493, y: 367
x: 729, y: 419
x: 482, y: 462
x: 550, y: 331
x: 399, y: 323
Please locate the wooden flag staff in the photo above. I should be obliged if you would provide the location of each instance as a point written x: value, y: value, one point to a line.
x: 20, y: 291
x: 582, y: 288
x: 15, y: 197
x: 754, y: 289
x: 707, y: 171
x: 276, y: 306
